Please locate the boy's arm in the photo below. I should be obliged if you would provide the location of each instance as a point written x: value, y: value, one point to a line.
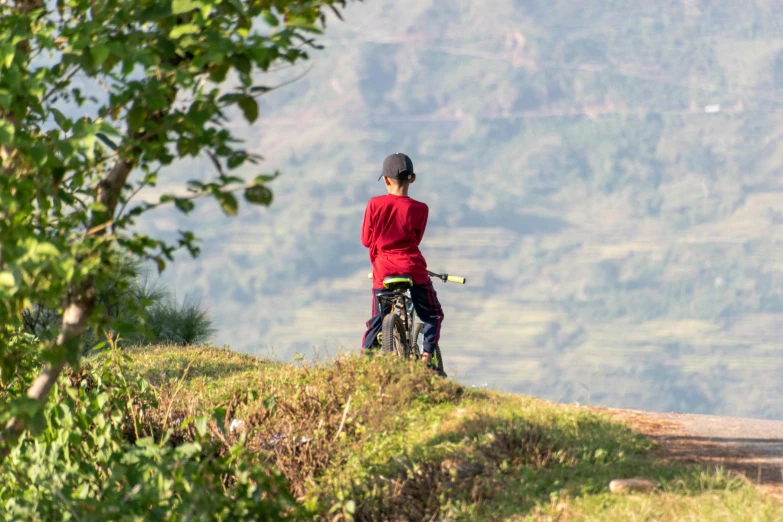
x: 367, y: 226
x: 420, y: 232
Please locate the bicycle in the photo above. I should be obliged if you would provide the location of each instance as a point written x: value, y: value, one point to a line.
x: 400, y: 332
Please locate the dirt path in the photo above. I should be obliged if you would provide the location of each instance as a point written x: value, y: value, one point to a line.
x: 752, y: 447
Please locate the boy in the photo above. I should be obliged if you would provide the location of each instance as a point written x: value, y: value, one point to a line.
x: 392, y: 230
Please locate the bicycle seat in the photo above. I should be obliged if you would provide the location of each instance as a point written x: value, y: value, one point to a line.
x: 397, y: 282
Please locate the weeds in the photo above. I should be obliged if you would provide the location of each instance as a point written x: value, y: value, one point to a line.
x: 381, y: 439
x: 93, y: 458
x: 299, y: 420
x: 426, y: 484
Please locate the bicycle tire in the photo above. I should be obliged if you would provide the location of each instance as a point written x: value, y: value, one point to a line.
x: 439, y: 364
x: 393, y: 336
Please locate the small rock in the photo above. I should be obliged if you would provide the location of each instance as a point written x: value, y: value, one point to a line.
x: 237, y: 425
x: 632, y: 486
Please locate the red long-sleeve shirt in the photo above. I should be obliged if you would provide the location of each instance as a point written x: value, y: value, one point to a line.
x: 392, y: 230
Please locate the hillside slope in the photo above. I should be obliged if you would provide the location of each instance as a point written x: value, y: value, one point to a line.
x: 378, y: 439
x: 606, y: 177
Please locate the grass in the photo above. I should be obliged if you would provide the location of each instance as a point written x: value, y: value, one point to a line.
x: 380, y: 439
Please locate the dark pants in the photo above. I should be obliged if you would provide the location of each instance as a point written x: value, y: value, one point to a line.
x: 427, y: 306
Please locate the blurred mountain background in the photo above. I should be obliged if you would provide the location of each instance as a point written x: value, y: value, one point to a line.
x: 607, y: 175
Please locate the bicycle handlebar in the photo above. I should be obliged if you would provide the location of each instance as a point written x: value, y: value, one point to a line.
x: 446, y: 278
x: 443, y: 277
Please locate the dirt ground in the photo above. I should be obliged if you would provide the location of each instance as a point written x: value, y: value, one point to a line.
x: 751, y: 447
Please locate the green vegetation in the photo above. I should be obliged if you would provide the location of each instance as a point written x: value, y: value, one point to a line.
x: 95, y: 455
x: 72, y: 160
x: 382, y: 439
x: 139, y: 309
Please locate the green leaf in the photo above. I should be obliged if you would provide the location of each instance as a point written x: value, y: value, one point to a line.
x: 7, y: 279
x: 107, y: 128
x: 5, y: 99
x: 7, y: 131
x: 136, y: 117
x: 105, y: 139
x: 242, y: 64
x: 217, y: 74
x: 39, y: 154
x: 303, y: 24
x: 145, y: 442
x: 184, y: 205
x: 201, y: 425
x: 266, y: 178
x: 184, y: 6
x: 228, y: 203
x: 7, y: 52
x: 270, y: 404
x: 46, y: 249
x: 219, y: 414
x: 189, y: 449
x: 62, y: 121
x: 99, y: 54
x: 270, y: 18
x: 82, y: 492
x: 249, y: 107
x: 183, y: 29
x: 236, y: 160
x: 258, y: 195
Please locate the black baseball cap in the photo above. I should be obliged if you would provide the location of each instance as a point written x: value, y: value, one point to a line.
x: 397, y: 166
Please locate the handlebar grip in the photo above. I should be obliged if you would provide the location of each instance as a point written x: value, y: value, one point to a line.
x: 458, y: 280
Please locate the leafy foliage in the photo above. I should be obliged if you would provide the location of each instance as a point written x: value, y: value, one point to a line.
x: 97, y: 458
x: 72, y: 159
x: 170, y: 74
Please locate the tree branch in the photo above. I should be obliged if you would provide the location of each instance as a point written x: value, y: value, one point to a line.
x: 61, y: 83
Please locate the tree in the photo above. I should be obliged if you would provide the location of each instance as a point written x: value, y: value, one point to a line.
x: 171, y: 70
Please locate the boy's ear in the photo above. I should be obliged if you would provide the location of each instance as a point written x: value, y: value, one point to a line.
x: 413, y: 178
x: 387, y: 181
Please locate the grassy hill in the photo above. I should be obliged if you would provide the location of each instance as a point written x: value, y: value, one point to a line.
x: 381, y: 440
x: 605, y: 175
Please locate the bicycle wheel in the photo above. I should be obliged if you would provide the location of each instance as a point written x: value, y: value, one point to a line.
x: 439, y: 363
x: 393, y: 336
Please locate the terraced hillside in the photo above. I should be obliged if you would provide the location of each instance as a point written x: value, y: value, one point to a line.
x: 605, y: 175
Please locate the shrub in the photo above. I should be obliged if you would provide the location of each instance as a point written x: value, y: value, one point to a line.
x: 97, y: 459
x: 134, y: 305
x: 186, y: 323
